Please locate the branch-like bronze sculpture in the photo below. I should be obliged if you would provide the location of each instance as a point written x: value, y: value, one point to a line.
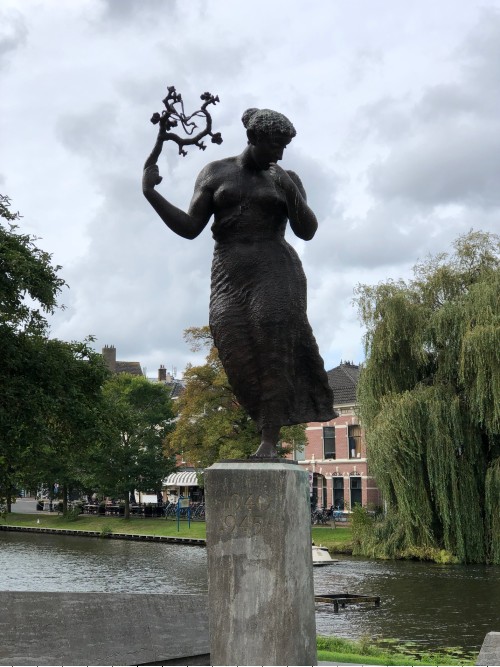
x: 174, y: 115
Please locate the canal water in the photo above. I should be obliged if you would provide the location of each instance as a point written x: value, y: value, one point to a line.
x: 435, y: 605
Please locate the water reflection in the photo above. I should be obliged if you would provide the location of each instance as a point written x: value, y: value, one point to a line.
x: 438, y: 605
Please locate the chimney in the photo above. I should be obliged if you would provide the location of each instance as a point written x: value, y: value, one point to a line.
x: 109, y: 354
x: 162, y: 374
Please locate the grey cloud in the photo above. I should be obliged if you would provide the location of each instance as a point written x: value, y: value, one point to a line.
x: 385, y: 120
x: 448, y: 153
x: 364, y: 61
x: 124, y: 12
x: 481, y: 48
x: 90, y: 134
x: 392, y: 233
x: 13, y: 35
x: 201, y: 59
x: 448, y: 163
x: 447, y: 100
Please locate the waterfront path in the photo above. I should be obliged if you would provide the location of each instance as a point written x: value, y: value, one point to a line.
x: 25, y: 506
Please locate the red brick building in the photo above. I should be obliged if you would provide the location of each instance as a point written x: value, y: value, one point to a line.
x: 335, y: 453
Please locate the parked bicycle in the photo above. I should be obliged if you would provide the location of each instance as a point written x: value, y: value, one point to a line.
x: 170, y: 510
x: 319, y: 516
x: 198, y: 511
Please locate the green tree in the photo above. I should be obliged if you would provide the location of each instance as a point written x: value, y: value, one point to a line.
x: 50, y: 391
x: 211, y: 424
x: 29, y: 286
x: 429, y: 397
x: 72, y: 418
x: 29, y: 283
x: 131, y: 455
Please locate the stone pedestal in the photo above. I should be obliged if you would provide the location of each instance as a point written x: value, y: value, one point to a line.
x: 260, y: 582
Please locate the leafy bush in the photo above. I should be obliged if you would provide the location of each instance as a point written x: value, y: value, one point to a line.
x: 73, y: 513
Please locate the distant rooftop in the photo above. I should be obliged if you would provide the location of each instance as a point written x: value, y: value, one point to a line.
x: 109, y: 354
x: 176, y: 386
x: 343, y: 380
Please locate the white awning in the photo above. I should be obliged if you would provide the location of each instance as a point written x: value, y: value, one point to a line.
x: 181, y: 479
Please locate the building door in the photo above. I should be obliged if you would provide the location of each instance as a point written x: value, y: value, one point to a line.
x: 356, y: 496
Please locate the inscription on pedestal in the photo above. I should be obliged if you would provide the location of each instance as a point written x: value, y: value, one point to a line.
x: 249, y: 514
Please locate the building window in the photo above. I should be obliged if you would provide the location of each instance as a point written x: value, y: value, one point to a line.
x: 354, y: 435
x: 356, y: 498
x: 328, y: 442
x: 338, y: 493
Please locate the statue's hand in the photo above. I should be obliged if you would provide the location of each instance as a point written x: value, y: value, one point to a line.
x: 282, y: 178
x: 151, y: 177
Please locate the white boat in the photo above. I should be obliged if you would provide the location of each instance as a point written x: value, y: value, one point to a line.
x: 321, y: 556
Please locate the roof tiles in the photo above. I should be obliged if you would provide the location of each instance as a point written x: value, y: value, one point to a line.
x: 343, y: 380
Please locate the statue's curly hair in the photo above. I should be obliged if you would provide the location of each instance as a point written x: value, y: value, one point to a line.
x: 268, y: 122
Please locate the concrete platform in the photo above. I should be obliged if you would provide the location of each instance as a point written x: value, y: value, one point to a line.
x: 103, y: 629
x: 119, y: 629
x: 490, y: 650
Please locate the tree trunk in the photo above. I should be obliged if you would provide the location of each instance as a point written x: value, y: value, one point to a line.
x: 65, y: 498
x: 127, y: 506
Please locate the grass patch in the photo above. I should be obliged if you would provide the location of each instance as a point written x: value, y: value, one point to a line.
x: 337, y: 540
x: 106, y: 531
x: 387, y: 652
x: 358, y: 659
x: 109, y: 524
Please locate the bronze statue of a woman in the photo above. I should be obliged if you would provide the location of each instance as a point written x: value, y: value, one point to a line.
x: 258, y: 292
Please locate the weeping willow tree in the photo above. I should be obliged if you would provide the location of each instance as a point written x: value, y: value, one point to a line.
x: 429, y: 396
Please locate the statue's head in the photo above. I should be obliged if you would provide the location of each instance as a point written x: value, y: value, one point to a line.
x: 269, y: 133
x: 268, y: 123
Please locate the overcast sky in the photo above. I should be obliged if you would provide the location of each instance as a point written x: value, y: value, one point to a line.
x: 396, y: 106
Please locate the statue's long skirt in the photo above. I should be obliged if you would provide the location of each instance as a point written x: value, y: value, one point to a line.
x: 259, y: 323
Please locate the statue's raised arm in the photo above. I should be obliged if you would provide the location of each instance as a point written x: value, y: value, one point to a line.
x: 187, y: 225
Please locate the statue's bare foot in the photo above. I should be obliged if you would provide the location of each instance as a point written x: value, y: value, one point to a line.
x: 267, y: 448
x: 266, y: 451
